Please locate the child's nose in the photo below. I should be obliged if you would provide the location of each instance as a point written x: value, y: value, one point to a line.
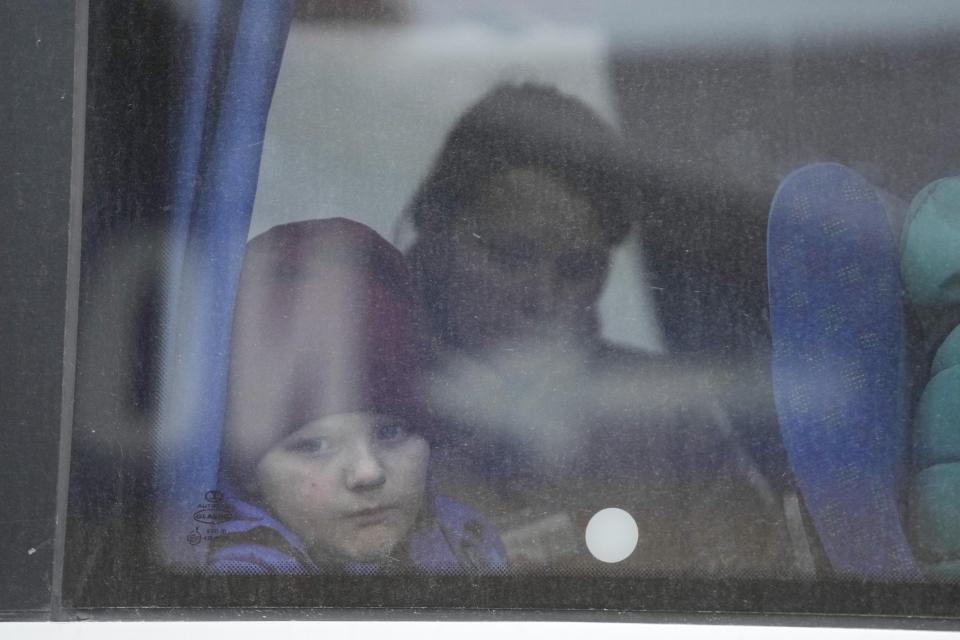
x: 365, y: 471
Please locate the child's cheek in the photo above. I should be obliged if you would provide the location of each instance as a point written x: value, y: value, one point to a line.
x: 315, y: 491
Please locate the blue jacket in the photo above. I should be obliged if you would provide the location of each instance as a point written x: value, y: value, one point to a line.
x: 452, y: 538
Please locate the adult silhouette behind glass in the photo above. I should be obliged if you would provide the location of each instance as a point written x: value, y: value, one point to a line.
x: 516, y: 224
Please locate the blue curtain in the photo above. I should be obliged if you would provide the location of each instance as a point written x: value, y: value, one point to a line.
x: 234, y: 50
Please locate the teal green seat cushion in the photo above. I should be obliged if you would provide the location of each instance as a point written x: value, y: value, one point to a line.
x: 936, y: 436
x: 930, y: 245
x: 948, y: 355
x: 947, y: 571
x: 935, y: 511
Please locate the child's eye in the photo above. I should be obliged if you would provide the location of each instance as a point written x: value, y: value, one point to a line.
x: 392, y: 431
x: 310, y: 446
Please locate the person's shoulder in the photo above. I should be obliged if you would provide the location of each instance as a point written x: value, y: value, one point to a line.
x: 454, y: 513
x: 241, y: 557
x: 254, y: 543
x: 474, y: 539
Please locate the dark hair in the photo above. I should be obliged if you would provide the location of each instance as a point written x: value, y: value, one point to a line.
x: 521, y: 126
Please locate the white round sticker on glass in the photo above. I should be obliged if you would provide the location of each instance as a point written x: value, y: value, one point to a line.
x: 612, y: 535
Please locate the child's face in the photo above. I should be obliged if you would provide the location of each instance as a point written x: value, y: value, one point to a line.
x: 349, y: 485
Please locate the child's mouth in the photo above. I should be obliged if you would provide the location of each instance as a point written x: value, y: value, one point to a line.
x: 371, y: 516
